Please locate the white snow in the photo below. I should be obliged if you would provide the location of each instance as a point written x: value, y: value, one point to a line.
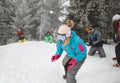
x: 30, y: 62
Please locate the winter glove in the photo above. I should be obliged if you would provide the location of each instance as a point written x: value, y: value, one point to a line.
x: 55, y: 57
x: 71, y: 63
x: 87, y: 43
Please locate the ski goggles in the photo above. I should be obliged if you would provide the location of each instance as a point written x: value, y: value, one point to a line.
x: 61, y: 36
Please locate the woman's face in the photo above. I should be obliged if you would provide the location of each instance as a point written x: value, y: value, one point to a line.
x: 63, y: 38
x: 66, y: 41
x: 89, y: 31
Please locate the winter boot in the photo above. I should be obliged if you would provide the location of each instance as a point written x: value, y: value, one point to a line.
x: 114, y: 58
x: 117, y: 65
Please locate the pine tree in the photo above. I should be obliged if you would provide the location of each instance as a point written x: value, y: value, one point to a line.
x: 95, y: 13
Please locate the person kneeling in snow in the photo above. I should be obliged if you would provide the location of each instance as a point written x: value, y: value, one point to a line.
x: 94, y: 39
x: 76, y: 52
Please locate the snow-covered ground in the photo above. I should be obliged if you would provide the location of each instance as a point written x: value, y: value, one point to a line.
x: 30, y: 62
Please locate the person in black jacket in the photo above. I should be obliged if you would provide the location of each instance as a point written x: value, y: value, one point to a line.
x: 94, y: 40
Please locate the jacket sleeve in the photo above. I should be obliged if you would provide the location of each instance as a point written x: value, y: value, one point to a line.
x: 47, y: 34
x: 59, y: 48
x: 98, y: 38
x: 90, y: 40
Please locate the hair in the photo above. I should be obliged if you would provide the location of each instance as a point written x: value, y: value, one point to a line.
x: 70, y: 23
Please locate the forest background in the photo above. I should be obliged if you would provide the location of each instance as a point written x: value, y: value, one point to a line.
x: 36, y: 17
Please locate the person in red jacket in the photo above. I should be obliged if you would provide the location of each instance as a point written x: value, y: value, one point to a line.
x: 21, y: 35
x: 116, y: 28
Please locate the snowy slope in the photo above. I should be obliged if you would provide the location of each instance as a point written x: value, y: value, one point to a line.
x: 30, y: 62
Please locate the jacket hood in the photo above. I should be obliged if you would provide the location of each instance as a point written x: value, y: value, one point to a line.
x: 73, y: 36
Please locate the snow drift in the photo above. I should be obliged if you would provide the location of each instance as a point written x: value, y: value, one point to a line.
x: 30, y: 62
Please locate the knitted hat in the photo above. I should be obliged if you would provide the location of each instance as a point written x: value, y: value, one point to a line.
x: 116, y: 17
x: 70, y: 23
x: 64, y: 29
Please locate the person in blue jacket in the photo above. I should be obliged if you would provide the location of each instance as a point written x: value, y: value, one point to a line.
x: 76, y: 52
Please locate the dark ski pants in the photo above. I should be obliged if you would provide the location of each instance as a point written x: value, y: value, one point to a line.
x: 21, y: 37
x: 117, y: 51
x: 72, y: 72
x: 99, y: 49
